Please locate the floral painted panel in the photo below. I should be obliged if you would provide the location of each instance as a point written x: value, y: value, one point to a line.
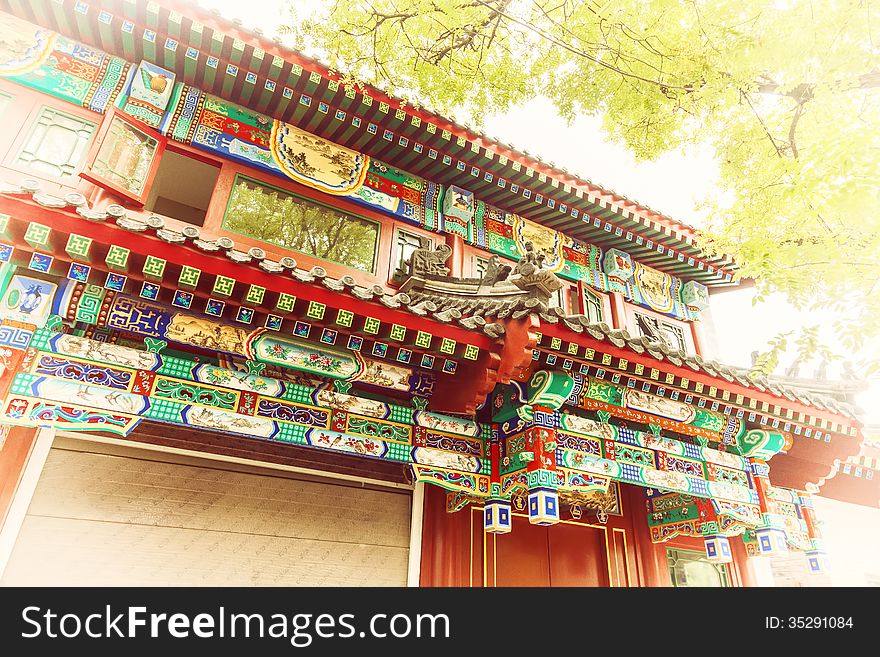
x: 220, y: 376
x: 306, y: 357
x: 346, y: 443
x: 460, y: 426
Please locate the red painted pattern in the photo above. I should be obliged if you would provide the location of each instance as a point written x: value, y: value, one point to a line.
x: 232, y: 127
x: 143, y: 382
x: 574, y: 256
x: 339, y: 420
x: 499, y: 228
x: 247, y: 403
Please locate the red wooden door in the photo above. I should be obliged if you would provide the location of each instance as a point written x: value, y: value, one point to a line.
x: 521, y: 558
x: 558, y: 555
x: 577, y: 556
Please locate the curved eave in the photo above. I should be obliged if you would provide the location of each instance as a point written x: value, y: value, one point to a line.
x: 617, y: 344
x: 850, y: 488
x: 810, y: 462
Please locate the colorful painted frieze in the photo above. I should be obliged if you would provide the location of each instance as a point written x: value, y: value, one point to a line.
x: 84, y: 384
x: 149, y: 93
x: 60, y: 67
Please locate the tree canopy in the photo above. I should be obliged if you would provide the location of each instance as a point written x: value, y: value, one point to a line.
x: 786, y: 92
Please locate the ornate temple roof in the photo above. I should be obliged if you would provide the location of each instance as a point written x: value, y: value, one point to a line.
x: 224, y: 59
x: 485, y: 321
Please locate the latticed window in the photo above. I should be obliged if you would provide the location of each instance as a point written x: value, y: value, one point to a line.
x: 56, y: 144
x: 557, y: 299
x: 406, y: 244
x: 125, y: 156
x: 688, y: 568
x: 480, y: 266
x: 653, y: 327
x: 592, y: 306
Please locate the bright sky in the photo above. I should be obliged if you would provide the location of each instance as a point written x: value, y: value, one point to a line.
x: 672, y: 185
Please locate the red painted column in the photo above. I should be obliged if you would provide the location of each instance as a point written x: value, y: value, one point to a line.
x: 761, y: 484
x: 741, y: 562
x: 618, y: 313
x: 445, y: 542
x: 652, y: 567
x: 456, y: 260
x: 579, y: 309
x: 699, y: 339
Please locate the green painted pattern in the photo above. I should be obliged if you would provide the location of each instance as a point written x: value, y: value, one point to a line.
x: 447, y: 346
x: 634, y: 455
x: 189, y: 277
x: 40, y: 339
x: 78, y: 246
x: 399, y: 452
x: 292, y: 433
x: 177, y: 367
x: 541, y: 478
x: 117, y: 258
x: 709, y: 420
x: 398, y: 333
x: 255, y: 294
x: 89, y: 304
x: 761, y: 444
x: 516, y: 444
x: 371, y: 325
x: 154, y: 268
x: 671, y: 501
x: 708, y: 528
x: 423, y: 340
x: 344, y: 318
x: 223, y: 286
x: 316, y: 310
x: 21, y: 384
x: 471, y: 352
x: 37, y: 235
x: 165, y: 410
x: 503, y: 246
x: 297, y: 393
x: 401, y: 414
x: 605, y: 392
x: 737, y: 477
x: 377, y: 429
x: 285, y: 302
x: 550, y: 389
x: 679, y: 514
x: 189, y: 393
